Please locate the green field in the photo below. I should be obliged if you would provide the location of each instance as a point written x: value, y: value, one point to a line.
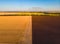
x: 29, y: 14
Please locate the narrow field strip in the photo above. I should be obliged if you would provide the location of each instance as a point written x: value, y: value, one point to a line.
x: 28, y: 14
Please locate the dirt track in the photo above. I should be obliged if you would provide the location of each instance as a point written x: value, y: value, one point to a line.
x: 46, y: 29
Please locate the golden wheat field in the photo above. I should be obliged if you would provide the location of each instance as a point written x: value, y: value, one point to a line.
x: 15, y: 30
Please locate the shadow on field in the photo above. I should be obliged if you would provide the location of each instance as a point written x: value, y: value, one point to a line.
x: 46, y: 29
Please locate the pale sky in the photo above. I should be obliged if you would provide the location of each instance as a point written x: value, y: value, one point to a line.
x: 19, y: 5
